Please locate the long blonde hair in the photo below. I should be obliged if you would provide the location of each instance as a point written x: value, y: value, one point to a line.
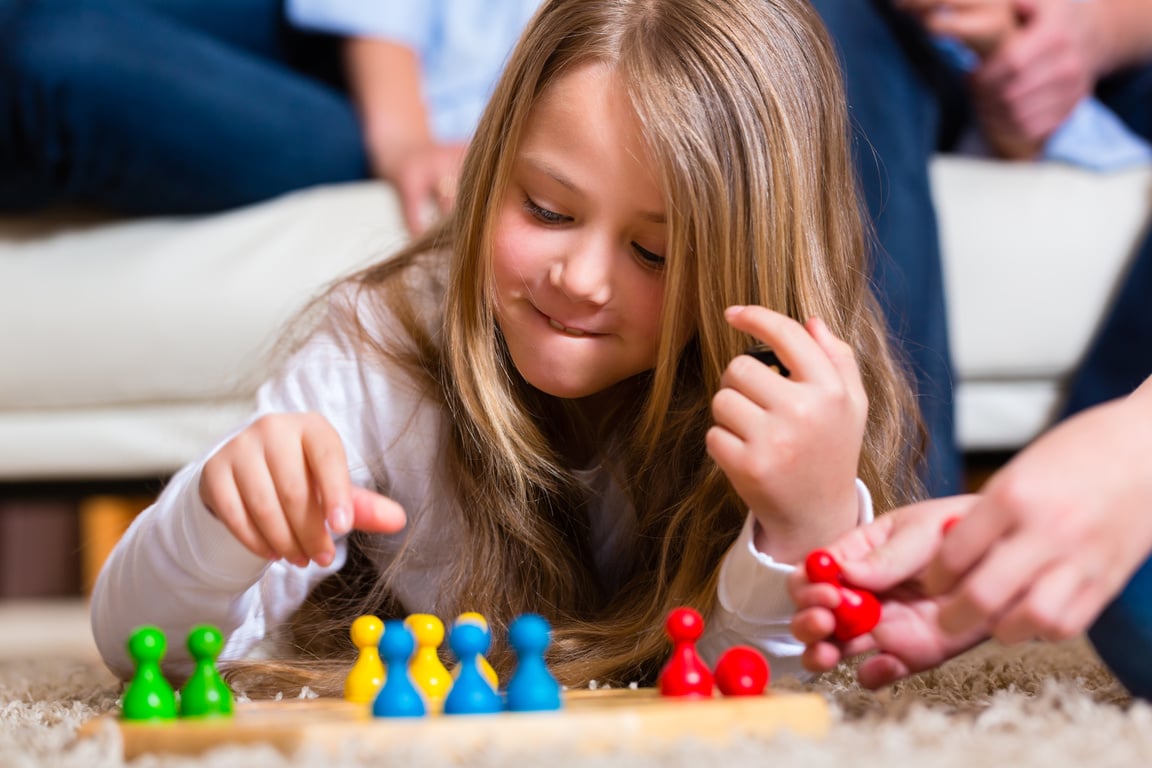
x: 744, y: 111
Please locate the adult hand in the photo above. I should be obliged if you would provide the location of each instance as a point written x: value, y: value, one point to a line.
x: 1025, y: 89
x: 982, y: 25
x: 425, y: 177
x: 886, y: 558
x: 1058, y: 532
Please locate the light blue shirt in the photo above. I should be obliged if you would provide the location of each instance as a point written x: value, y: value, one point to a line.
x: 1092, y: 137
x: 462, y: 44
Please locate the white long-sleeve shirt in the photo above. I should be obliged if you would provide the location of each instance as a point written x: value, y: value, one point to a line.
x: 178, y: 565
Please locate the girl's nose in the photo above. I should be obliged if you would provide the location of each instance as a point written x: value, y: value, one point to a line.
x: 583, y: 274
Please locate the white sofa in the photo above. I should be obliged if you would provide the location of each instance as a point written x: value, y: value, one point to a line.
x: 127, y: 347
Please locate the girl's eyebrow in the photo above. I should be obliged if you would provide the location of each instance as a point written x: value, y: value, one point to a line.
x: 540, y: 165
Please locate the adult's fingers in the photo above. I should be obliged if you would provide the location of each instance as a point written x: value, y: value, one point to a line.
x: 881, y: 670
x: 901, y: 551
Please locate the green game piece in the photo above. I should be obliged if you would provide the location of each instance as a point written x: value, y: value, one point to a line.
x: 205, y: 694
x: 148, y: 695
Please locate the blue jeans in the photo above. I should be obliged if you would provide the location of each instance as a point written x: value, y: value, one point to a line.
x: 167, y: 106
x: 1120, y: 356
x: 1122, y: 634
x: 903, y: 105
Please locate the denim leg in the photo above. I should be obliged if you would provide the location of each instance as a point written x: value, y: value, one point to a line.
x: 1120, y: 356
x: 1122, y: 634
x: 112, y: 104
x: 896, y: 119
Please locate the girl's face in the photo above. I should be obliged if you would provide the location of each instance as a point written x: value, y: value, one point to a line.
x: 578, y: 253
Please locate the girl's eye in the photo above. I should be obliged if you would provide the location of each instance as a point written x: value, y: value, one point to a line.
x: 543, y: 214
x: 648, y: 257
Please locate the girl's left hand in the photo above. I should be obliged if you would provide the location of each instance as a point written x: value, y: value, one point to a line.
x: 790, y: 446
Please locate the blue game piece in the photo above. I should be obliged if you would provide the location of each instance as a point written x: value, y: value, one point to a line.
x: 398, y: 696
x: 532, y: 687
x: 470, y: 693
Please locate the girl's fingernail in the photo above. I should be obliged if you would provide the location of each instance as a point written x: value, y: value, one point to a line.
x: 341, y: 520
x: 733, y: 310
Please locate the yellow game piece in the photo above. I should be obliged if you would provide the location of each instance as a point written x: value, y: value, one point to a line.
x: 485, y: 668
x: 427, y: 671
x: 367, y: 675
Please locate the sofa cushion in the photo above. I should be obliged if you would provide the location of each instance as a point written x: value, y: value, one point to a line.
x: 1032, y: 254
x: 131, y: 342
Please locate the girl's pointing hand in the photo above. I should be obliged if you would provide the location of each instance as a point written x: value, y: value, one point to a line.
x: 281, y: 486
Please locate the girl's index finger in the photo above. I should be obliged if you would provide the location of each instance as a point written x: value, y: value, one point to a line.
x: 328, y: 464
x: 791, y: 341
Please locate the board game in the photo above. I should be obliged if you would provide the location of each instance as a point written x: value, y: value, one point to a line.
x: 590, y: 721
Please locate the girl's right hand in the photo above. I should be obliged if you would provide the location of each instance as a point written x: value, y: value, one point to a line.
x: 282, y: 487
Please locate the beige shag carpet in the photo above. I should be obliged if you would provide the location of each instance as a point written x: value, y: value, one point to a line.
x: 1036, y: 705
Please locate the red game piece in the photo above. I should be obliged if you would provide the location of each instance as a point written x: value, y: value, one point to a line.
x: 949, y: 523
x: 859, y: 610
x: 685, y: 673
x: 742, y: 671
x: 857, y: 614
x: 822, y: 568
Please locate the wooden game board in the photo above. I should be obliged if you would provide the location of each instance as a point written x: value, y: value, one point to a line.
x: 590, y: 722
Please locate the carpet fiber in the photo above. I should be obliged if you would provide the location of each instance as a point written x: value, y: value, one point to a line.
x: 1034, y: 705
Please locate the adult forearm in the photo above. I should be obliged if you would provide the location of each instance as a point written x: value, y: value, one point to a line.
x: 385, y: 80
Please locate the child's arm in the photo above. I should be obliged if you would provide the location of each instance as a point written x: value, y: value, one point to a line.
x: 753, y: 606
x: 179, y: 565
x: 791, y: 446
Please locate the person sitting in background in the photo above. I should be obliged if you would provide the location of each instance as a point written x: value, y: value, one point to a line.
x: 998, y: 78
x: 193, y: 106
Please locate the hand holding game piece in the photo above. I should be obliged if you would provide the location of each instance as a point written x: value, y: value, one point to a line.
x: 367, y: 674
x: 205, y: 694
x: 742, y: 671
x: 148, y: 696
x: 858, y: 611
x: 398, y: 696
x: 685, y: 673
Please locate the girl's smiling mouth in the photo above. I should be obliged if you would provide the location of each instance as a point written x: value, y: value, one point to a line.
x: 561, y: 327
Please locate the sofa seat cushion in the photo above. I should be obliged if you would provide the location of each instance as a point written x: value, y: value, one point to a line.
x: 1032, y: 254
x: 125, y: 332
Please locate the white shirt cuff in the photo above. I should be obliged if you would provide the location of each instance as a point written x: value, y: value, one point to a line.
x: 754, y: 605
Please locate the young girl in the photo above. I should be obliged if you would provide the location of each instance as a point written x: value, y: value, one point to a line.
x: 543, y: 405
